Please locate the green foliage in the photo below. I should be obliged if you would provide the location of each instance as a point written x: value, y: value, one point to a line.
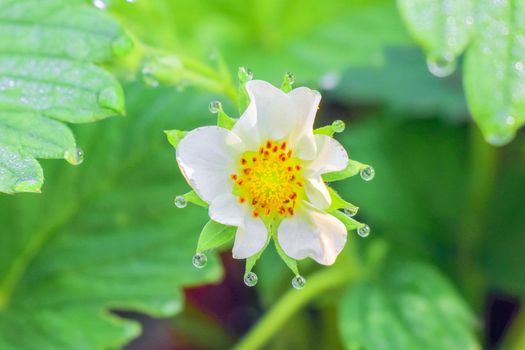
x: 494, y: 67
x: 409, y: 306
x: 104, y: 236
x: 271, y: 37
x: 47, y: 76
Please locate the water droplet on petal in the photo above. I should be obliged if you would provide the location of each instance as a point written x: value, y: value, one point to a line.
x: 245, y: 74
x: 180, y: 202
x: 200, y: 260
x: 215, y: 107
x: 363, y: 231
x: 367, y: 173
x: 351, y: 212
x: 74, y: 155
x: 338, y: 126
x: 250, y: 279
x: 441, y: 67
x: 101, y: 4
x: 298, y: 282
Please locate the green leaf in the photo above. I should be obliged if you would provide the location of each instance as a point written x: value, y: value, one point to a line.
x: 225, y: 121
x: 409, y: 307
x: 47, y: 75
x: 351, y: 169
x: 443, y: 28
x: 103, y: 237
x: 339, y: 203
x: 350, y: 224
x: 19, y: 172
x: 193, y: 197
x: 495, y: 70
x: 215, y: 235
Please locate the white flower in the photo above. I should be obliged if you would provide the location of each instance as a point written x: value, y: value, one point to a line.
x: 266, y: 172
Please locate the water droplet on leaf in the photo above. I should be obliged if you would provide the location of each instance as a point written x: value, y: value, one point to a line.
x: 101, y: 4
x: 74, y: 156
x: 250, y: 279
x: 200, y: 260
x: 180, y: 202
x: 215, y: 107
x: 298, y: 282
x: 441, y: 67
x: 363, y: 231
x: 148, y: 78
x: 351, y: 212
x: 245, y: 74
x: 338, y: 126
x: 367, y: 173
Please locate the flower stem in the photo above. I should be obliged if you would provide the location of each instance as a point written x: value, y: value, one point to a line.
x: 482, y: 169
x: 293, y: 301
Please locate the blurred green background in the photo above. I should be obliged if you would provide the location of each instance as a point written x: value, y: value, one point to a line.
x: 442, y: 269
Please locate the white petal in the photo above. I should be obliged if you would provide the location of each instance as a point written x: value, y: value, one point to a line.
x: 306, y: 103
x: 227, y: 210
x: 317, y: 192
x: 207, y: 157
x: 274, y: 115
x: 250, y: 238
x: 312, y: 233
x: 331, y: 156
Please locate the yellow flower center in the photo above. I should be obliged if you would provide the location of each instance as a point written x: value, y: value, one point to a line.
x: 270, y: 181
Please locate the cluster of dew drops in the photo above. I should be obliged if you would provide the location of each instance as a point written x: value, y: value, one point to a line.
x: 200, y: 260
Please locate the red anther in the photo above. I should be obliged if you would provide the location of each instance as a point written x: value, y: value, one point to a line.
x: 267, y: 212
x: 283, y: 145
x: 255, y: 214
x: 234, y: 177
x: 241, y: 200
x: 240, y: 182
x: 254, y: 201
x: 243, y: 161
x: 246, y: 171
x: 289, y: 153
x: 268, y: 144
x: 266, y: 153
x: 299, y: 183
x: 286, y: 201
x: 289, y: 168
x: 298, y: 167
x: 292, y: 178
x: 290, y: 210
x: 254, y: 159
x: 261, y: 150
x: 275, y: 148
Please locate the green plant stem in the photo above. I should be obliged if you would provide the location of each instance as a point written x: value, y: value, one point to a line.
x: 293, y: 301
x: 481, y: 173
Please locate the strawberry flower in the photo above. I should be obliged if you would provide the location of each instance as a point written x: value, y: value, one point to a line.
x: 265, y: 176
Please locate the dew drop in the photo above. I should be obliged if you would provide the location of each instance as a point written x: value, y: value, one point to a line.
x: 245, y: 74
x: 351, y: 212
x: 200, y: 260
x: 180, y: 202
x: 250, y: 279
x: 74, y: 155
x: 101, y: 4
x: 441, y: 67
x: 363, y: 231
x: 215, y: 107
x: 290, y: 78
x: 338, y: 126
x: 148, y: 78
x: 367, y: 173
x: 298, y: 282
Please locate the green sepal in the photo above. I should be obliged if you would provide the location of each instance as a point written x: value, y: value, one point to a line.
x: 175, y: 136
x: 250, y: 262
x: 291, y: 263
x: 215, y: 235
x: 349, y: 223
x: 225, y: 121
x: 193, y: 197
x: 327, y: 130
x: 339, y: 203
x: 245, y: 75
x: 353, y: 168
x: 288, y: 81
